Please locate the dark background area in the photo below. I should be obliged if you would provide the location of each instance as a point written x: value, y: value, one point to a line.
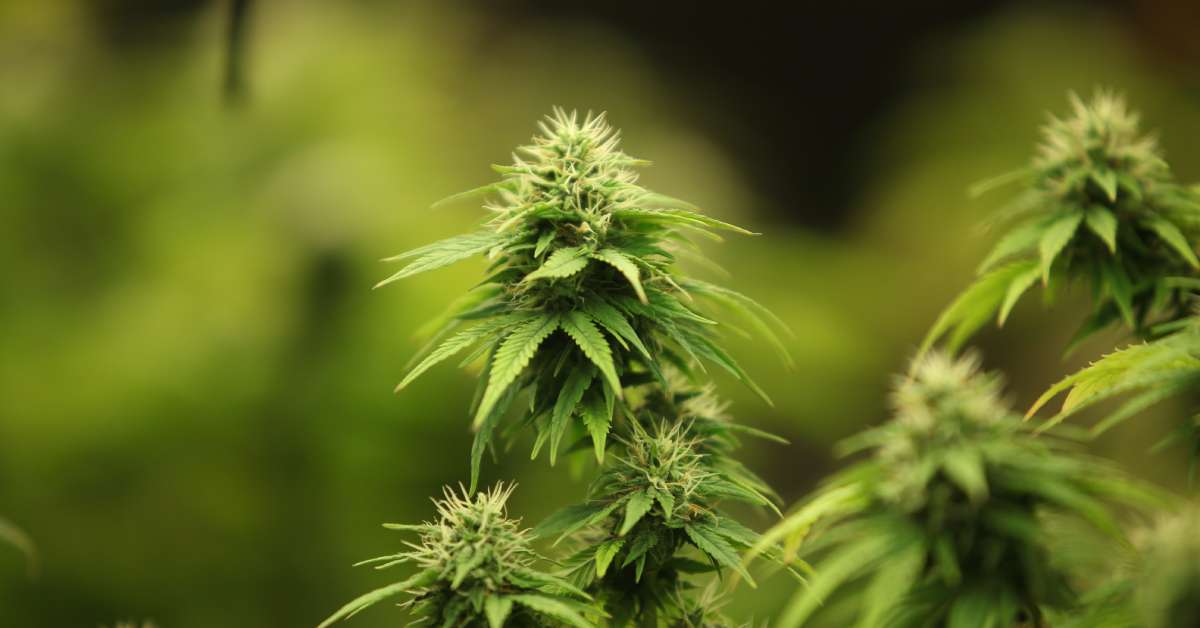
x: 764, y: 80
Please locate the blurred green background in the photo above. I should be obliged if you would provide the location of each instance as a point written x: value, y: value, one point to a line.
x: 196, y: 423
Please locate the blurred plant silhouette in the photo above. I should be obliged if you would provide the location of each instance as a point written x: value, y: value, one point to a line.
x: 1100, y: 205
x: 946, y: 520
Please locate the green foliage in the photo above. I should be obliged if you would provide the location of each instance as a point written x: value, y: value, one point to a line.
x: 1145, y: 374
x: 1099, y: 206
x: 1152, y: 583
x: 659, y: 497
x: 945, y: 523
x: 474, y: 567
x: 583, y: 295
x: 1166, y: 591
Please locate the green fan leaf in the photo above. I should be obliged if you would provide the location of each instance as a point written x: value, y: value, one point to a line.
x: 965, y: 468
x: 635, y: 508
x: 1169, y: 233
x: 561, y: 263
x: 579, y: 326
x: 605, y: 554
x: 366, y: 600
x: 482, y: 190
x: 975, y: 307
x: 597, y: 418
x: 497, y: 608
x: 1020, y: 240
x: 568, y: 400
x: 1019, y: 285
x: 709, y: 541
x: 455, y: 344
x: 443, y: 253
x: 847, y: 564
x: 615, y: 322
x: 543, y: 242
x: 513, y: 355
x: 552, y: 607
x: 573, y: 518
x: 890, y: 584
x: 1117, y: 284
x: 1055, y: 238
x: 625, y: 266
x: 1101, y: 221
x: 1107, y: 180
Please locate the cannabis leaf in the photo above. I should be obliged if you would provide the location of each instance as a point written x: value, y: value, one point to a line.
x: 579, y: 326
x: 514, y: 354
x: 561, y: 263
x: 443, y: 253
x: 1145, y: 374
x: 626, y: 266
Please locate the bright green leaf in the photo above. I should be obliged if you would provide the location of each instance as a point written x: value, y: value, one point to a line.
x: 561, y: 263
x: 582, y: 330
x: 625, y: 266
x: 635, y: 508
x: 1055, y: 238
x: 514, y: 354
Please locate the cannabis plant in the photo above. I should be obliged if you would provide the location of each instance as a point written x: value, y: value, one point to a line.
x: 583, y: 297
x: 1142, y: 289
x: 585, y: 313
x: 476, y: 566
x: 944, y: 523
x: 1098, y: 205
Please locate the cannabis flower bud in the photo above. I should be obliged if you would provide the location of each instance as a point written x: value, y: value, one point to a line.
x: 1099, y: 206
x: 657, y: 498
x: 945, y: 520
x: 475, y: 566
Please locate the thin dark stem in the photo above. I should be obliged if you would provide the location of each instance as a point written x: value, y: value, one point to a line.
x: 235, y: 52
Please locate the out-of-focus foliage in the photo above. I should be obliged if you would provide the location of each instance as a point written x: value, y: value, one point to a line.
x: 1152, y: 583
x: 475, y: 565
x: 1167, y: 587
x: 945, y: 521
x: 1099, y: 205
x: 1146, y: 373
x: 17, y: 539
